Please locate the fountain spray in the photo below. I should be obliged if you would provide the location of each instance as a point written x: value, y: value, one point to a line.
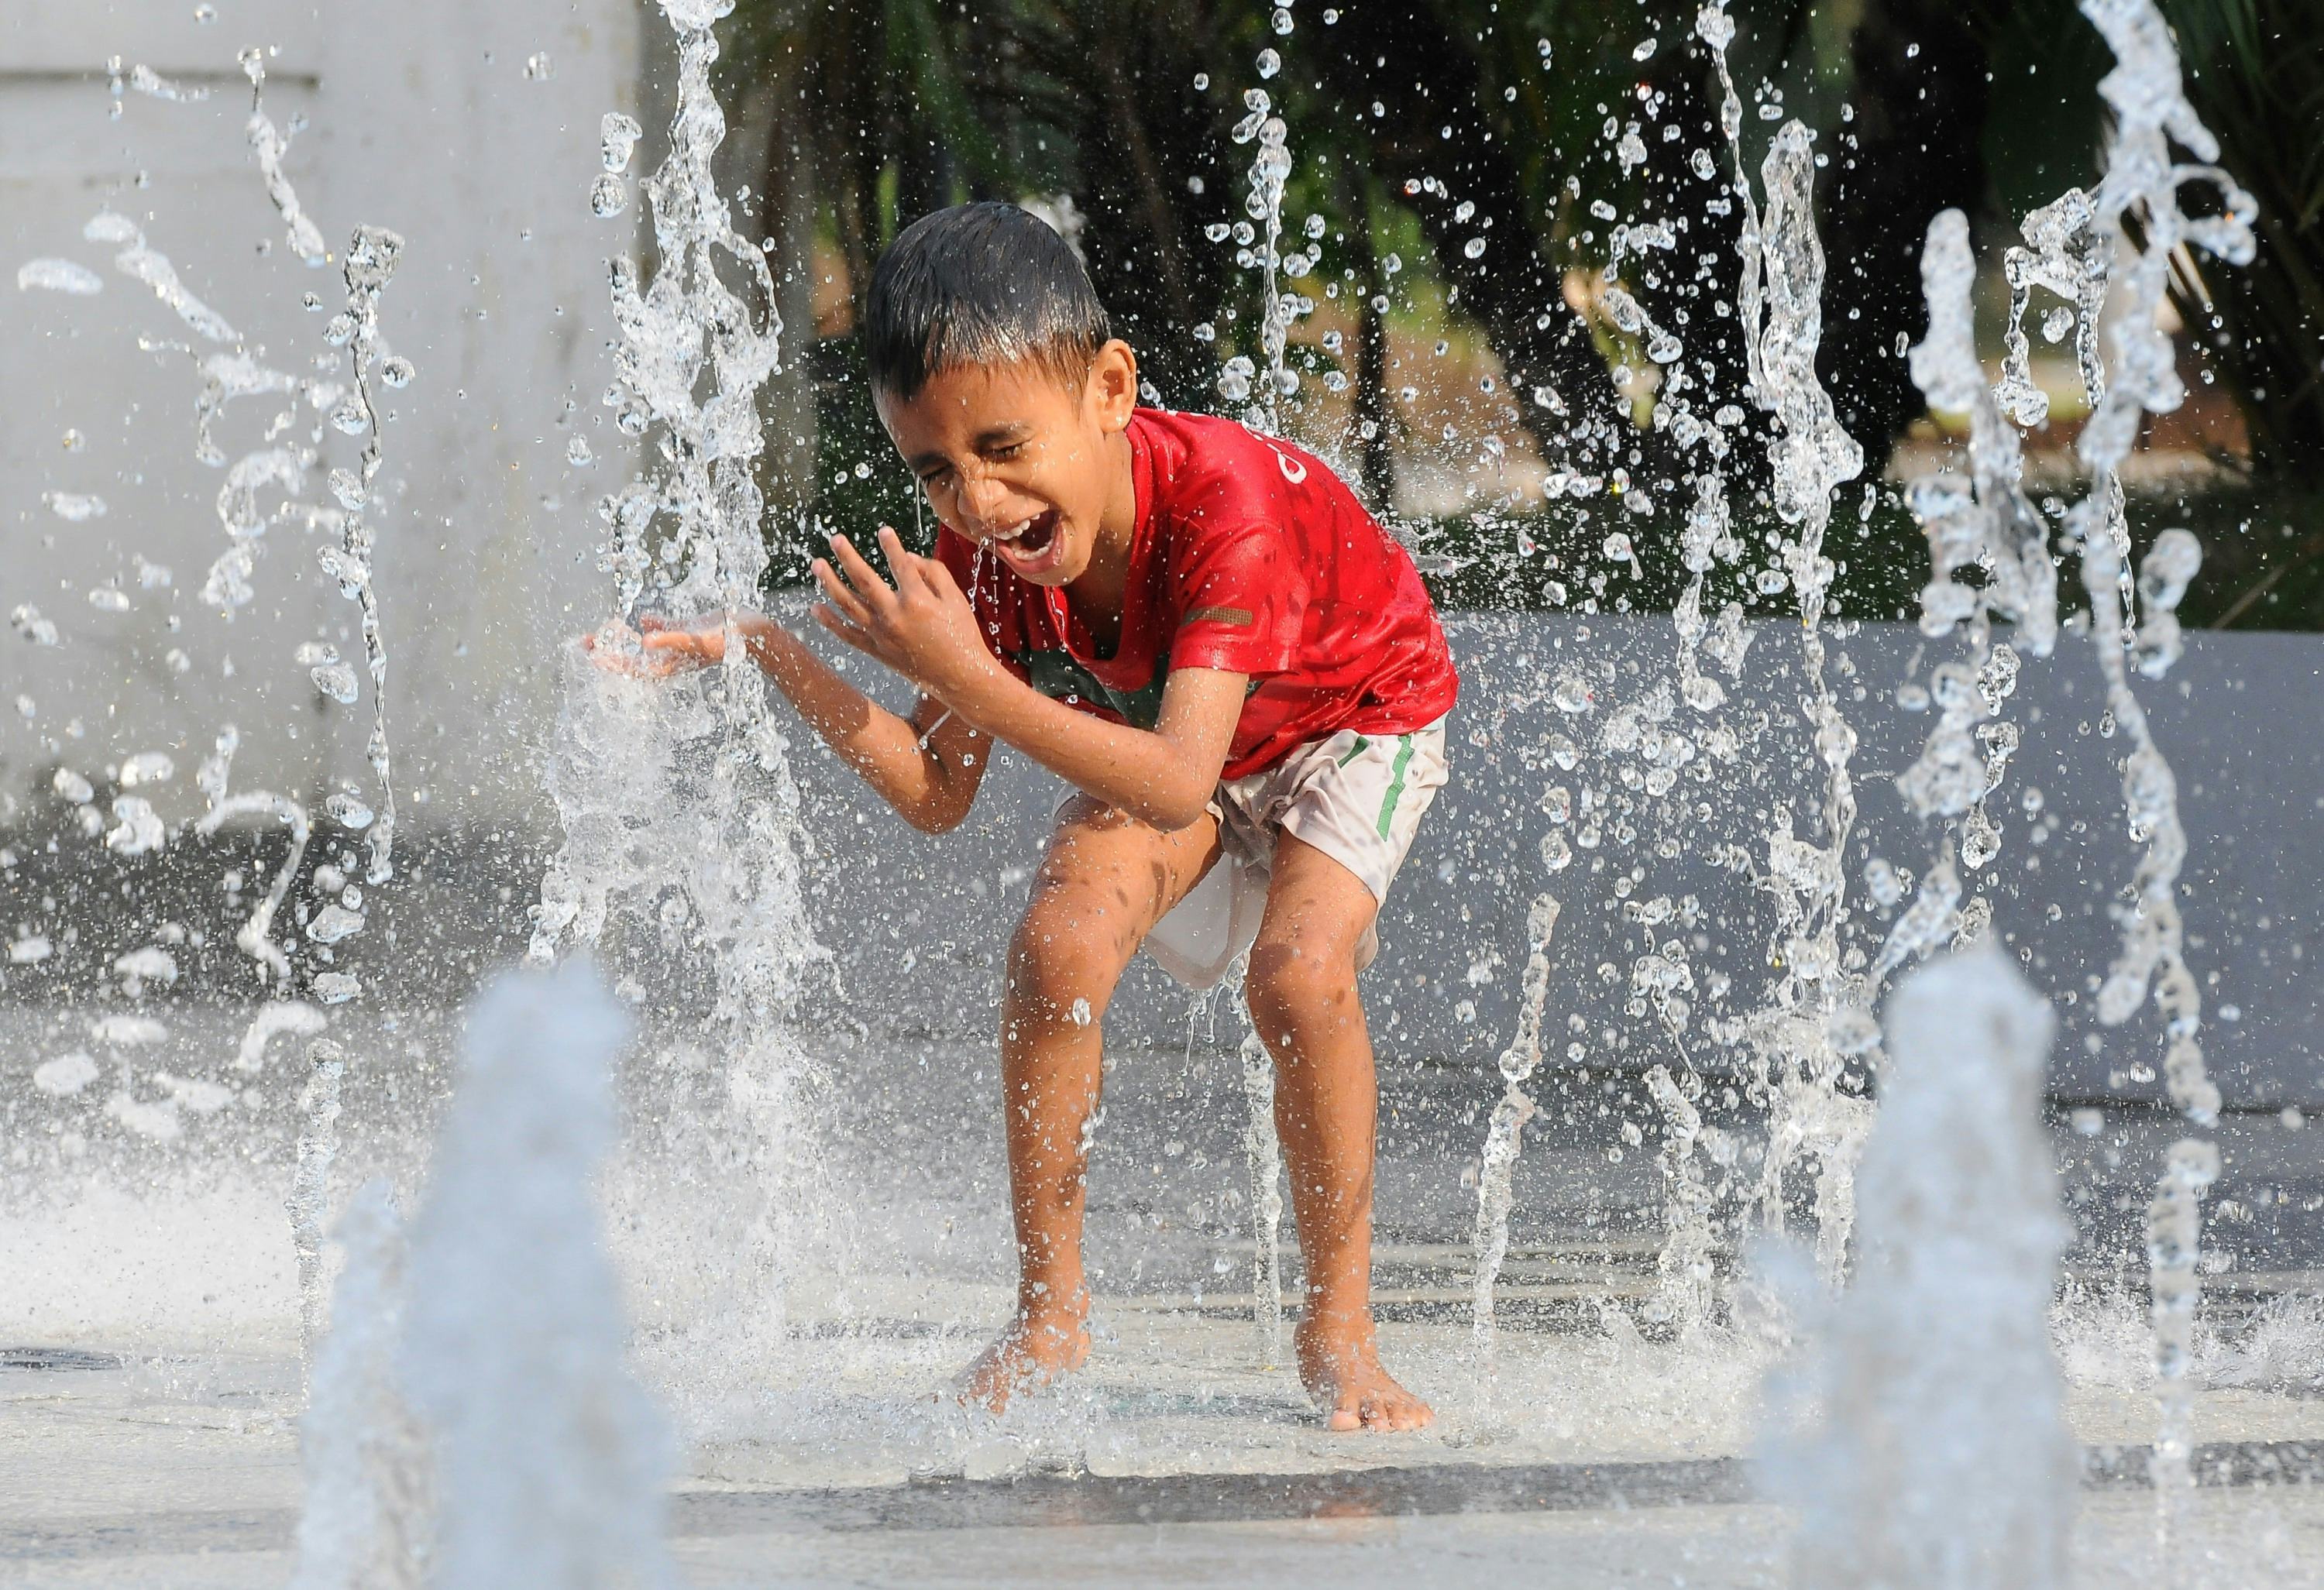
x: 359, y: 1446
x: 677, y: 799
x: 2071, y: 249
x: 1941, y: 1458
x: 551, y: 1461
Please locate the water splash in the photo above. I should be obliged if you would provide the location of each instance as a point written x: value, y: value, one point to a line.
x: 2070, y: 250
x: 1263, y: 1154
x: 1939, y: 1457
x: 360, y: 1450
x: 253, y: 938
x: 1800, y: 1039
x: 309, y: 1200
x: 54, y: 275
x: 271, y: 147
x: 153, y: 84
x: 552, y: 1463
x: 1497, y: 1167
x: 295, y: 1017
x: 681, y: 798
x: 229, y: 374
x: 141, y: 262
x: 2142, y: 187
x: 1260, y: 249
x: 370, y: 262
x: 2174, y: 1231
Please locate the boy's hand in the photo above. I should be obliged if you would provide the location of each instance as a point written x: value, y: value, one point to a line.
x: 665, y: 647
x: 922, y: 626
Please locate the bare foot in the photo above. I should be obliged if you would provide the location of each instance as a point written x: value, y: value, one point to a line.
x: 1031, y: 1350
x: 1339, y: 1363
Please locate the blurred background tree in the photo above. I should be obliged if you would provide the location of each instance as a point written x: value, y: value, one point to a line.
x: 1469, y: 165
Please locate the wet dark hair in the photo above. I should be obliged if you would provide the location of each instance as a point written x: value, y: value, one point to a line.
x: 983, y: 283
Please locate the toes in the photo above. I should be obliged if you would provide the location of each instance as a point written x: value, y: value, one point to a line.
x: 1345, y: 1418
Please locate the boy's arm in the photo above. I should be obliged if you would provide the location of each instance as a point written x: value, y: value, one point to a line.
x: 927, y: 766
x: 923, y: 628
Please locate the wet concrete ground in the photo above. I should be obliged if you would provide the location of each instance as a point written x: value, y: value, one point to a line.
x: 1582, y: 1452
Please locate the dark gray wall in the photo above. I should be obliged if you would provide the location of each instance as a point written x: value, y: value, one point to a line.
x: 916, y: 925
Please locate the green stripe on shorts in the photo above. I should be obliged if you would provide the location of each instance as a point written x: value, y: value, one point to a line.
x: 1396, y: 783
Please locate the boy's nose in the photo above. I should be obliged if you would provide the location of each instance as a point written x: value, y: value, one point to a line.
x: 983, y: 498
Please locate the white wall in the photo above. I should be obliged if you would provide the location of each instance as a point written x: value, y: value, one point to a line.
x: 424, y: 120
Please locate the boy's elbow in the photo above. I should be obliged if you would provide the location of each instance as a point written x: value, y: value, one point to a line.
x: 940, y: 815
x: 1179, y: 810
x: 935, y: 819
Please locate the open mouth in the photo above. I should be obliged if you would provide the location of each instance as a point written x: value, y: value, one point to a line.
x: 1030, y: 546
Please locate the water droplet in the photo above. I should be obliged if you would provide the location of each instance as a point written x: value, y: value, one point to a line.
x: 1269, y: 63
x: 609, y: 196
x: 617, y: 139
x: 396, y: 371
x: 1281, y: 20
x: 206, y: 12
x: 1645, y: 52
x: 336, y: 680
x: 1081, y: 1013
x: 348, y: 810
x: 65, y: 276
x: 76, y: 506
x: 539, y: 67
x: 577, y: 454
x: 109, y: 598
x: 1473, y: 249
x: 333, y: 923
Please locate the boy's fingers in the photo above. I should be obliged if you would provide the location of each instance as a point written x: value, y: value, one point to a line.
x: 869, y: 586
x: 650, y: 622
x: 846, y: 631
x: 940, y: 578
x: 908, y: 564
x: 844, y: 599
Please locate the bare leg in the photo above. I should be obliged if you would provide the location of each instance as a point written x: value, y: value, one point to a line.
x: 1303, y: 997
x: 1107, y: 878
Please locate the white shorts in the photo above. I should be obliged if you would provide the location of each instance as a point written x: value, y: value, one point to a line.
x: 1358, y: 798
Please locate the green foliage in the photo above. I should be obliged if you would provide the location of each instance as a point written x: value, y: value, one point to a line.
x: 1421, y: 128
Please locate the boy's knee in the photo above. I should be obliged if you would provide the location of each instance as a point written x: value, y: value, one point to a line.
x: 1070, y: 947
x: 1292, y: 985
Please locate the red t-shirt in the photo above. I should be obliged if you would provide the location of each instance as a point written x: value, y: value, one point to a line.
x: 1249, y: 556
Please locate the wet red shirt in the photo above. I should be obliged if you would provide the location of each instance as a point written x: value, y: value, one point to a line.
x: 1249, y: 556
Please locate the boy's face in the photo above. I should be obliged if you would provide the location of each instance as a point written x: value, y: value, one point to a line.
x: 1018, y: 461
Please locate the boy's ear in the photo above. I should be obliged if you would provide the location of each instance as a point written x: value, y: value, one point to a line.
x: 1111, y: 389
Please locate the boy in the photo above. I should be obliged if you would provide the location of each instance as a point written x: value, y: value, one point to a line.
x: 1202, y: 629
